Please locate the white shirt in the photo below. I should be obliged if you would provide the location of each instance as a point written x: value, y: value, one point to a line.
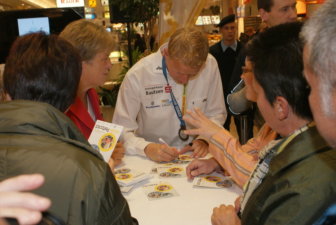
x: 145, y: 108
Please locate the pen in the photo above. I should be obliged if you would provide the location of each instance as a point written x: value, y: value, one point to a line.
x: 162, y: 141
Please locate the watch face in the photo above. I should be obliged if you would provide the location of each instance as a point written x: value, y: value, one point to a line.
x: 182, y: 135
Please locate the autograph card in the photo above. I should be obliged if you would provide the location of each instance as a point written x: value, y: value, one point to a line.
x: 104, y: 137
x: 127, y: 177
x: 213, y: 180
x: 182, y: 159
x: 159, y: 190
x: 171, y: 171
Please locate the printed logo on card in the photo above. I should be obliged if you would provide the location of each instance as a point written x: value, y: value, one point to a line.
x: 163, y: 187
x: 123, y: 176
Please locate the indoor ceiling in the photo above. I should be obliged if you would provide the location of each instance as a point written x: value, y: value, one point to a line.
x: 26, y: 4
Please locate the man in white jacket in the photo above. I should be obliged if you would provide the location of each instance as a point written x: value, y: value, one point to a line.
x: 158, y: 90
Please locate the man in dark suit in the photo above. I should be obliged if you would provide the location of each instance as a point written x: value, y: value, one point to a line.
x: 225, y: 53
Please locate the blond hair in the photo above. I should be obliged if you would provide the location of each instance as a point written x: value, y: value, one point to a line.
x: 88, y: 38
x: 189, y: 46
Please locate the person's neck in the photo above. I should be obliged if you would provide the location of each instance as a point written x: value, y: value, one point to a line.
x: 82, y: 94
x: 228, y: 43
x: 293, y: 125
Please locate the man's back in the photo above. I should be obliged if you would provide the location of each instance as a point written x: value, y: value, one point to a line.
x: 37, y: 138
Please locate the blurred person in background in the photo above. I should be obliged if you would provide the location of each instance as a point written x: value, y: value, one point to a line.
x: 225, y: 53
x: 272, y: 13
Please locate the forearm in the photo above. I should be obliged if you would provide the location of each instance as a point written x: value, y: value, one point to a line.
x: 229, y: 154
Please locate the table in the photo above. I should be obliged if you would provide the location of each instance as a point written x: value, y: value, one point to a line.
x: 192, y: 206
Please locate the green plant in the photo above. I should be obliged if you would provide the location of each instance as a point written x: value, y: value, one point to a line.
x: 140, y: 11
x: 109, y: 96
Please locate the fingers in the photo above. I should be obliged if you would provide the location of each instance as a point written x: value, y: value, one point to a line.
x: 201, y: 149
x: 185, y: 149
x: 112, y: 164
x: 223, y: 215
x: 167, y: 153
x: 237, y: 204
x: 118, y: 155
x: 25, y: 207
x: 200, y: 152
x: 24, y: 199
x: 22, y: 183
x: 192, y: 132
x: 24, y: 216
x: 192, y: 169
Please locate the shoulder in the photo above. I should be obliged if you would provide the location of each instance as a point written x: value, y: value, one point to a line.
x: 216, y: 48
x: 147, y: 65
x: 211, y: 61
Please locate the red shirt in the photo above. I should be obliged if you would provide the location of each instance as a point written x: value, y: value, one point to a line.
x: 79, y: 114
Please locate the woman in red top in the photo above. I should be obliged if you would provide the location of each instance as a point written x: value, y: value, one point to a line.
x: 94, y: 44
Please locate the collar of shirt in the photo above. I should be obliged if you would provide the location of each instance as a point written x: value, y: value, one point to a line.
x: 233, y: 46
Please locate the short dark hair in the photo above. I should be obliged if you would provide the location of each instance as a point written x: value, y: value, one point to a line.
x: 265, y: 5
x: 276, y: 56
x: 43, y: 68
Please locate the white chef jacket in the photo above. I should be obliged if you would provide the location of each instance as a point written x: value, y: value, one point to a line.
x: 144, y: 106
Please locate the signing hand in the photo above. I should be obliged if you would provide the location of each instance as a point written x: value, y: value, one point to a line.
x: 203, y: 126
x: 201, y: 166
x: 23, y: 206
x: 161, y: 152
x: 200, y: 148
x: 224, y: 215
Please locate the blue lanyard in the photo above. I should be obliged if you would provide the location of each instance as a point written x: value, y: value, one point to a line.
x: 176, y: 106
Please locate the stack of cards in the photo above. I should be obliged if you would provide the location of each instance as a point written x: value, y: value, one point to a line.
x: 159, y: 190
x: 104, y: 138
x: 128, y: 177
x: 213, y: 180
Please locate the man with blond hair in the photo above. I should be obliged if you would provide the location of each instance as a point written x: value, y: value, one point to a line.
x: 160, y: 87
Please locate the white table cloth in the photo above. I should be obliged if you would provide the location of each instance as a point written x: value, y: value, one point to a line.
x: 192, y: 205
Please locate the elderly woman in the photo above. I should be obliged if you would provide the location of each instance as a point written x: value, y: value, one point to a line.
x: 94, y: 44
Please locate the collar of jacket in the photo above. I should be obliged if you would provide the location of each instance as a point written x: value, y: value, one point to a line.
x: 302, y: 146
x: 78, y: 109
x: 37, y: 118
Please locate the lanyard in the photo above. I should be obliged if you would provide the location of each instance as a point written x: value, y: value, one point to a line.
x: 175, y: 104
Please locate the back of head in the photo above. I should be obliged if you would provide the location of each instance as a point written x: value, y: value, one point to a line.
x: 276, y: 55
x: 265, y: 4
x: 42, y: 68
x: 189, y: 46
x: 318, y: 35
x: 88, y: 38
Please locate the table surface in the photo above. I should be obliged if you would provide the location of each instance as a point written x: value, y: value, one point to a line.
x: 193, y: 205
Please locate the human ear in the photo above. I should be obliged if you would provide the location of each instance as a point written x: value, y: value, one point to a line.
x: 263, y: 15
x: 165, y: 52
x: 281, y: 108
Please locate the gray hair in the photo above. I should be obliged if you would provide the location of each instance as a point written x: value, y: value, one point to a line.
x: 318, y: 35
